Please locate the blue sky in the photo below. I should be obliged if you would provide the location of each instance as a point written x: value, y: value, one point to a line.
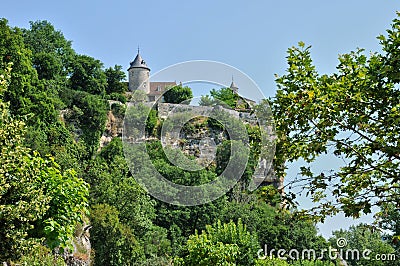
x: 252, y: 36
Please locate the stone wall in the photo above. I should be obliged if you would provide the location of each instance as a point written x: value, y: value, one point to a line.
x: 264, y: 175
x: 201, y: 143
x: 164, y: 109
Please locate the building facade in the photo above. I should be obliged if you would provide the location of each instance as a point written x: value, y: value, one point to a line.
x: 139, y: 79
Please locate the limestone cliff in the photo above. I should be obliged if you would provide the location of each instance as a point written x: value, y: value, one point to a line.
x: 196, y: 138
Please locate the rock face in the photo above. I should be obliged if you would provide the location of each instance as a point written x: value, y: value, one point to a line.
x: 74, y: 261
x: 196, y: 138
x: 202, y: 142
x: 197, y: 141
x: 164, y: 109
x: 114, y: 125
x: 82, y: 248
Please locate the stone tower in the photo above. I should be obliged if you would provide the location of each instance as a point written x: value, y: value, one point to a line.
x: 233, y: 87
x: 139, y: 75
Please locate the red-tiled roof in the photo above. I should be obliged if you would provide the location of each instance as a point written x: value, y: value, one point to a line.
x: 157, y: 88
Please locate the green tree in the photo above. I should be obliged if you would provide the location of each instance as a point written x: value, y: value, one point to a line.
x: 178, y: 94
x: 27, y: 95
x: 35, y: 99
x: 52, y: 54
x: 37, y: 201
x: 114, y: 243
x: 361, y: 238
x: 88, y: 75
x: 23, y: 75
x: 115, y: 77
x: 87, y: 113
x: 118, y: 199
x: 354, y: 114
x: 243, y: 157
x: 271, y: 262
x: 112, y: 184
x: 151, y: 122
x: 187, y: 219
x: 388, y: 219
x: 93, y: 120
x: 40, y: 256
x: 224, y: 96
x: 278, y: 229
x: 206, y: 100
x: 222, y: 244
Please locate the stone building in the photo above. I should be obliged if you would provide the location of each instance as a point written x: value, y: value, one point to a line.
x: 242, y: 101
x: 139, y: 79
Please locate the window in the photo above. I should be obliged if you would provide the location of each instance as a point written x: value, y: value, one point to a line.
x: 152, y: 98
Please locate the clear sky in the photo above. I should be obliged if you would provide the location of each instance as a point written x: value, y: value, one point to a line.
x: 251, y: 35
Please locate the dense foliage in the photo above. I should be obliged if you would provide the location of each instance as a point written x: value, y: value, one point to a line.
x: 38, y: 202
x: 58, y: 175
x: 225, y: 97
x: 222, y: 244
x: 352, y: 114
x: 178, y: 94
x: 361, y: 238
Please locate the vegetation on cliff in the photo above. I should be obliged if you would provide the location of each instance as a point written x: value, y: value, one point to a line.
x: 55, y: 179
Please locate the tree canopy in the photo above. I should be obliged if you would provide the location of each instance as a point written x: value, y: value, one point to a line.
x: 115, y: 77
x: 63, y: 165
x: 87, y: 75
x: 178, y: 94
x: 37, y: 200
x: 352, y: 114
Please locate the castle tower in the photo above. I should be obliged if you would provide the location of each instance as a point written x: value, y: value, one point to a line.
x: 139, y: 75
x: 233, y: 87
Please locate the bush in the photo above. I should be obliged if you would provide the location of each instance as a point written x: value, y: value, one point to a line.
x: 40, y: 256
x: 117, y: 97
x: 222, y: 244
x: 113, y: 241
x: 118, y: 109
x: 178, y: 94
x: 271, y: 262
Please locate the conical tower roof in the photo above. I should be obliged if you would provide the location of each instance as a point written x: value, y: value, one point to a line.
x: 138, y: 62
x: 233, y: 86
